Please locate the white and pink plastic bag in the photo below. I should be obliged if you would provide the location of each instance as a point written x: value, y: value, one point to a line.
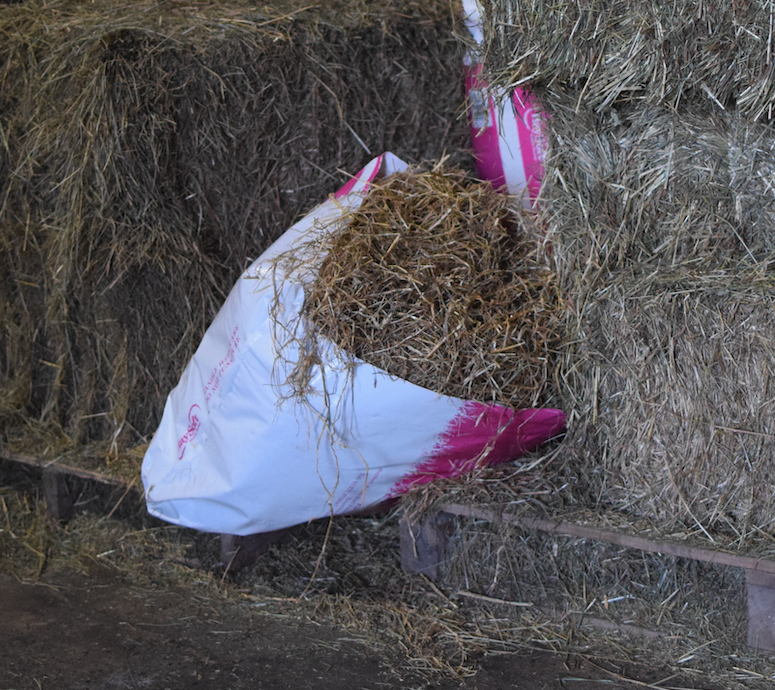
x: 238, y: 450
x: 507, y: 129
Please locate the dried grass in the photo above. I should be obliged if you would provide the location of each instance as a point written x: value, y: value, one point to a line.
x: 146, y: 155
x: 610, y: 603
x: 676, y: 54
x: 441, y: 629
x: 669, y: 383
x: 660, y: 227
x: 638, y: 185
x: 658, y: 201
x: 435, y: 279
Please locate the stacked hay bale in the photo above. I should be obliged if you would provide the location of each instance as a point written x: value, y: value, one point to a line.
x: 147, y: 155
x: 664, y: 239
x: 612, y: 51
x: 659, y: 202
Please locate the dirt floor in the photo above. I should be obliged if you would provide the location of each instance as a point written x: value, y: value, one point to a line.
x: 93, y: 631
x: 114, y: 599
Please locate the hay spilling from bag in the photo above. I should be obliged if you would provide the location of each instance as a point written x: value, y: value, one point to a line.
x: 675, y: 53
x: 435, y: 279
x: 147, y: 155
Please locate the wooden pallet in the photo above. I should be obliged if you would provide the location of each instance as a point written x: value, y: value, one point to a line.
x: 67, y: 488
x: 423, y: 544
x: 424, y: 548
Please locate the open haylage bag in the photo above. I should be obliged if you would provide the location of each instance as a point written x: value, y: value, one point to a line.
x: 238, y: 449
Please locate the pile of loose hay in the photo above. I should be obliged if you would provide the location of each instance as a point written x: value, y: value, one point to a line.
x: 145, y: 156
x: 675, y: 53
x: 435, y: 279
x: 358, y: 584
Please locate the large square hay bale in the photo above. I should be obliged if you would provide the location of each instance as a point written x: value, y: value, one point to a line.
x: 660, y: 224
x: 670, y: 384
x: 646, y: 51
x: 146, y: 155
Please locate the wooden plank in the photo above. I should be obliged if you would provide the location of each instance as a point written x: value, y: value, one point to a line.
x: 67, y: 489
x: 424, y: 543
x: 761, y: 610
x: 60, y: 505
x: 760, y: 572
x: 61, y: 467
x: 662, y: 546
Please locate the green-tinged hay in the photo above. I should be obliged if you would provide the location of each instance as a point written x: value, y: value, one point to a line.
x: 435, y: 279
x: 672, y: 53
x: 147, y: 155
x: 668, y: 379
x: 640, y: 184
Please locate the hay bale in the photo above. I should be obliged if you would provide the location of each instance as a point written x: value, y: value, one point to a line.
x: 436, y: 279
x: 669, y: 382
x: 658, y: 203
x: 145, y: 156
x: 647, y: 51
x: 660, y: 227
x: 640, y: 184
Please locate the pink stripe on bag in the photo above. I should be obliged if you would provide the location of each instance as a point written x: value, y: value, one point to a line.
x: 347, y: 188
x: 483, y: 125
x: 484, y: 434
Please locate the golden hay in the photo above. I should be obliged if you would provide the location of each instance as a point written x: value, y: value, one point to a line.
x: 660, y: 227
x: 146, y: 155
x: 435, y: 280
x: 676, y: 53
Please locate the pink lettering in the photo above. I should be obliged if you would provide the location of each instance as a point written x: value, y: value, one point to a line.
x: 346, y: 498
x: 350, y: 500
x: 215, y: 377
x: 191, y: 431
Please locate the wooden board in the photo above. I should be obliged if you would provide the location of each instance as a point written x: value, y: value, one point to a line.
x: 68, y: 489
x: 428, y: 552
